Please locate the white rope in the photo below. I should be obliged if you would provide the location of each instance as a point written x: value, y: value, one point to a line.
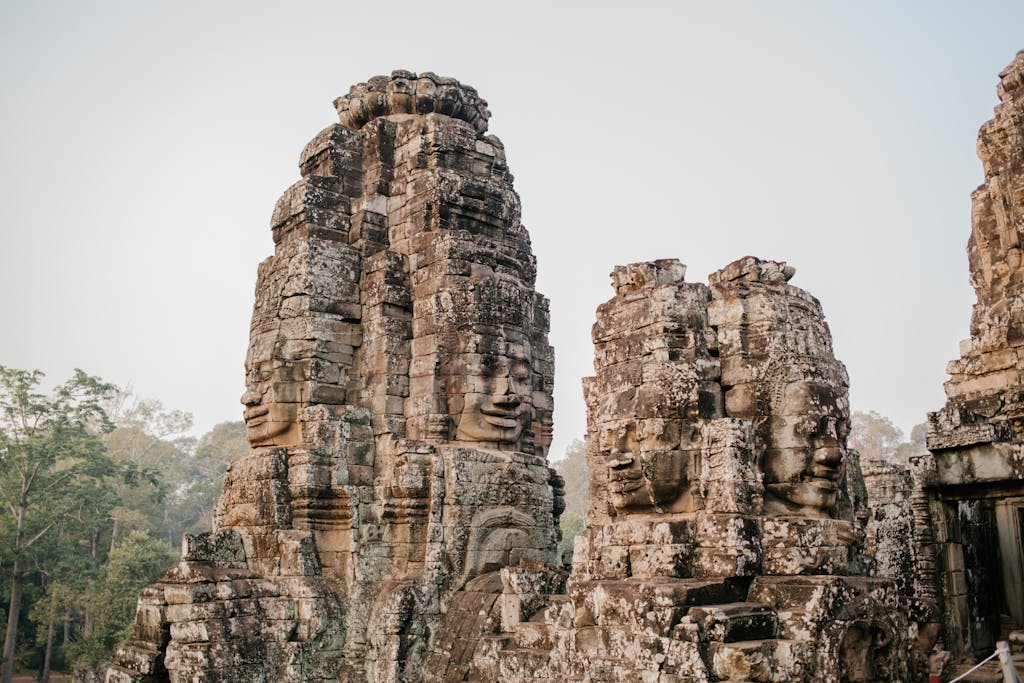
x: 974, y: 668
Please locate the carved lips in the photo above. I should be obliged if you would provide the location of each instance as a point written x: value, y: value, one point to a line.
x: 623, y: 477
x: 498, y: 419
x: 502, y: 411
x: 264, y: 423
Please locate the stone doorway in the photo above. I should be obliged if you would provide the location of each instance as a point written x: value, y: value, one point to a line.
x: 1010, y: 526
x: 993, y: 565
x: 983, y: 575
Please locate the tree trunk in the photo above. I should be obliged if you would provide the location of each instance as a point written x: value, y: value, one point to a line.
x: 12, y: 621
x: 45, y: 678
x: 89, y: 621
x: 86, y: 621
x: 114, y: 533
x: 14, y: 609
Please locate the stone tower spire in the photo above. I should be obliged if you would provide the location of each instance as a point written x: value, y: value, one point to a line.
x: 398, y: 405
x: 985, y: 391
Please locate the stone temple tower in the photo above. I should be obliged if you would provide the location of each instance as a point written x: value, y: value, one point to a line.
x: 724, y: 538
x: 398, y: 405
x: 969, y: 491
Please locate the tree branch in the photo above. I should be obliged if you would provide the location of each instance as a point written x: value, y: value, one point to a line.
x: 39, y: 535
x: 8, y: 500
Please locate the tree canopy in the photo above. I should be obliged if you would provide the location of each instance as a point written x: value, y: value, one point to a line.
x: 875, y: 437
x: 573, y: 468
x: 96, y: 487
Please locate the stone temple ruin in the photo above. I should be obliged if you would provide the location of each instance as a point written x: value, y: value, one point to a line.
x: 397, y: 519
x: 398, y: 405
x: 723, y: 540
x: 964, y: 572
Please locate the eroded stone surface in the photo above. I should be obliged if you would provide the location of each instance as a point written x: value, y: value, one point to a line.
x: 396, y: 519
x: 986, y: 391
x: 966, y: 565
x: 398, y: 404
x: 724, y: 540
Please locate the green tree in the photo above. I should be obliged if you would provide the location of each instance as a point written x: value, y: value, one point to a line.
x: 46, y: 613
x: 153, y: 442
x: 873, y: 435
x: 572, y: 525
x: 914, y: 446
x: 136, y: 562
x: 184, y: 474
x: 196, y: 499
x: 50, y: 453
x: 573, y: 468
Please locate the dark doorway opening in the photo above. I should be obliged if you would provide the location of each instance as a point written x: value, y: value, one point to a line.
x: 990, y: 531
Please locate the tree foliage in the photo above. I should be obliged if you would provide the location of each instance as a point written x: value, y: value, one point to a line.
x: 572, y: 525
x: 573, y: 468
x: 52, y: 465
x: 90, y: 476
x: 875, y: 437
x: 204, y: 476
x: 134, y: 564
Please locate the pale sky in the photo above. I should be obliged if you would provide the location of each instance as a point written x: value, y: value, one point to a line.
x: 143, y: 145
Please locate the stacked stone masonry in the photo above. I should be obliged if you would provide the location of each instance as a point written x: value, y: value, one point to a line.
x: 398, y: 404
x: 397, y: 519
x: 986, y: 389
x: 967, y: 493
x: 725, y: 535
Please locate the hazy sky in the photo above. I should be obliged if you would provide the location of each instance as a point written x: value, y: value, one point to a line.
x: 143, y: 145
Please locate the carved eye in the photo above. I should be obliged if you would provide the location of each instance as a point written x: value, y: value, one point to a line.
x: 521, y: 370
x: 842, y: 430
x: 609, y: 439
x: 265, y: 372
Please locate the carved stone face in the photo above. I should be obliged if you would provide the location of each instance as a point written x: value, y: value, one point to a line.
x: 491, y: 401
x: 863, y: 653
x: 646, y: 468
x: 806, y: 449
x: 272, y: 399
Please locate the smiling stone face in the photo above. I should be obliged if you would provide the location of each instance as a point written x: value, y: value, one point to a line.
x: 646, y: 469
x: 805, y: 450
x: 273, y: 396
x: 491, y: 398
x: 271, y: 411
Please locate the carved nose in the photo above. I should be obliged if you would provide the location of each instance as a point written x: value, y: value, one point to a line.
x: 507, y: 400
x: 620, y: 460
x: 828, y: 457
x: 509, y: 396
x: 251, y: 398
